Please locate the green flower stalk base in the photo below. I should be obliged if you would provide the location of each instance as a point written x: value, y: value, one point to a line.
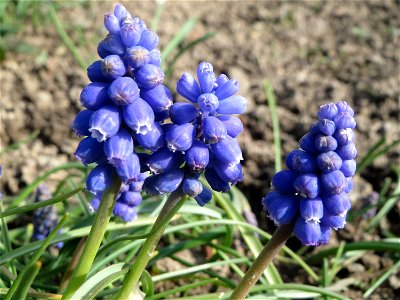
x: 270, y: 250
x: 171, y: 207
x: 94, y: 239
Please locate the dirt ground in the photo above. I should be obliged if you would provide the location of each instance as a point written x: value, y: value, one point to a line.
x: 311, y: 52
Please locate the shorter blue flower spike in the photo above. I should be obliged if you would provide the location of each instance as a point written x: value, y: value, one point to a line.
x: 214, y: 130
x: 181, y: 137
x: 81, y: 123
x: 188, y: 88
x: 121, y: 12
x: 349, y: 186
x: 325, y: 235
x: 181, y: 113
x: 198, y: 156
x: 333, y: 183
x: 204, y: 197
x: 128, y: 169
x: 232, y: 105
x: 309, y: 233
x: 311, y: 209
x: 347, y: 151
x: 208, y: 102
x: 216, y: 182
x: 327, y: 111
x: 137, y: 186
x: 327, y: 126
x: 94, y: 72
x: 221, y: 79
x: 227, y: 150
x: 123, y: 91
x: 137, y: 56
x: 169, y: 181
x: 325, y: 143
x: 282, y: 182
x: 192, y: 187
x: 88, y: 151
x: 149, y: 76
x: 95, y: 95
x: 152, y: 140
x: 105, y: 122
x: 113, y: 67
x: 329, y: 161
x: 232, y: 124
x: 119, y: 146
x: 164, y: 160
x: 307, y: 185
x: 100, y: 178
x: 227, y: 89
x: 139, y: 116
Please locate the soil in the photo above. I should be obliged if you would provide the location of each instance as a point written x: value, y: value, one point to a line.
x: 312, y: 52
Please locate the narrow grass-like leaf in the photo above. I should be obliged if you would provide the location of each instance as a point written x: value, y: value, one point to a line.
x: 66, y: 39
x: 18, y: 144
x: 275, y: 124
x: 147, y: 283
x: 157, y: 16
x: 36, y: 295
x: 33, y: 206
x: 28, y: 276
x: 178, y: 38
x: 6, y: 238
x: 381, y: 279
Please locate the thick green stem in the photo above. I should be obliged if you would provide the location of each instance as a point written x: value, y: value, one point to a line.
x: 95, y: 237
x: 173, y: 204
x: 270, y: 250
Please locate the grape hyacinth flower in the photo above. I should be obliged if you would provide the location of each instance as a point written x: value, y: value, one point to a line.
x: 313, y: 192
x: 45, y: 219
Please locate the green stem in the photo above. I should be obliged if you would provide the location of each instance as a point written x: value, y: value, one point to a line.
x: 94, y: 239
x: 171, y: 207
x: 270, y: 250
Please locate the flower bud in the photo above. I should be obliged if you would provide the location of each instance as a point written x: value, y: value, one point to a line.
x: 227, y: 150
x: 149, y: 39
x: 343, y: 106
x: 332, y: 220
x: 88, y: 151
x: 118, y: 146
x: 307, y: 143
x: 94, y: 72
x: 123, y: 91
x: 164, y: 160
x: 216, y: 182
x: 131, y: 33
x: 344, y: 120
x: 113, y: 67
x: 327, y: 126
x: 139, y: 116
x: 325, y: 235
x: 131, y: 198
x: 159, y: 98
x: 169, y: 181
x: 227, y: 89
x: 151, y: 140
x: 181, y: 137
x: 206, y: 80
x: 94, y: 95
x: 309, y: 233
x: 303, y: 162
x: 327, y: 111
x: 111, y: 23
x: 81, y: 123
x: 282, y: 182
x: 311, y: 209
x: 204, y: 67
x: 128, y: 169
x: 155, y: 57
x: 204, y: 197
x: 329, y: 161
x: 325, y: 143
x: 198, y: 156
x: 221, y: 79
x: 229, y: 172
x: 344, y: 136
x: 112, y: 44
x: 125, y: 212
x: 307, y: 185
x: 314, y: 129
x: 100, y: 178
x: 192, y: 187
x: 208, y: 102
x: 182, y: 112
x: 349, y: 167
x: 149, y: 185
x: 347, y: 151
x: 214, y: 130
x: 232, y: 105
x: 333, y: 183
x: 349, y: 186
x: 337, y: 204
x: 105, y: 122
x: 232, y: 124
x: 137, y: 56
x: 188, y: 88
x: 95, y: 202
x: 290, y: 156
x: 149, y: 76
x: 282, y: 209
x: 120, y: 12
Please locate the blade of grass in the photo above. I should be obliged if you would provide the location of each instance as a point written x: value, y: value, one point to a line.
x: 6, y: 239
x: 18, y: 144
x: 36, y: 295
x: 157, y: 16
x: 33, y: 206
x: 381, y: 279
x: 28, y: 276
x: 275, y: 124
x: 379, y: 149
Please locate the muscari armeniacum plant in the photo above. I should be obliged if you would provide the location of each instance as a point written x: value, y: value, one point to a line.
x: 310, y: 198
x: 138, y: 137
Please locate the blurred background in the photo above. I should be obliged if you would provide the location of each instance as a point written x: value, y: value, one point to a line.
x: 307, y: 52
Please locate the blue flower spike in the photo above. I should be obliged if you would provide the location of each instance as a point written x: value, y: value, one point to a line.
x: 319, y: 178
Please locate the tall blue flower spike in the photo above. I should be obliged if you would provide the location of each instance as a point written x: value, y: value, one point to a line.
x: 132, y: 129
x: 313, y: 193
